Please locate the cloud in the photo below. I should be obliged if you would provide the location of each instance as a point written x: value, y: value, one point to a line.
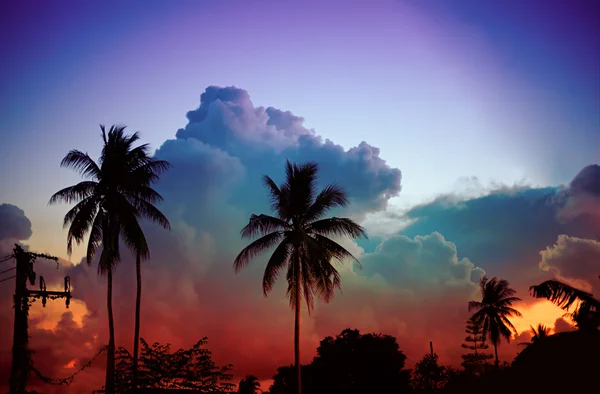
x: 263, y: 138
x: 190, y: 289
x: 582, y: 196
x: 505, y: 230
x: 414, y: 285
x: 415, y: 289
x: 574, y: 260
x: 14, y: 225
x: 56, y: 337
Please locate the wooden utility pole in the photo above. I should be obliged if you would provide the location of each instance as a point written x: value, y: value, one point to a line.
x: 19, y: 373
x: 431, y: 347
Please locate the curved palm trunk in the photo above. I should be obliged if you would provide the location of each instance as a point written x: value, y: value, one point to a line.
x: 136, y: 335
x: 110, y: 360
x: 297, y: 328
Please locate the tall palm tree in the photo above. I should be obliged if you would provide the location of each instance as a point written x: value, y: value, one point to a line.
x: 587, y: 311
x: 301, y: 236
x: 494, y: 309
x: 249, y: 385
x: 108, y: 205
x: 538, y: 333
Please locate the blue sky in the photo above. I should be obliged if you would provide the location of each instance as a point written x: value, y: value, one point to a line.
x: 456, y: 102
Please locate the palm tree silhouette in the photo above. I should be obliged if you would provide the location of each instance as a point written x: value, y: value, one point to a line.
x: 494, y: 309
x: 108, y: 206
x: 587, y: 311
x: 301, y: 235
x: 249, y: 385
x: 538, y: 333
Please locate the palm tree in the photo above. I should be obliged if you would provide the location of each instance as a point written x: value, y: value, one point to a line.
x: 301, y: 236
x: 109, y: 203
x: 587, y: 311
x: 249, y: 385
x: 494, y: 309
x: 538, y: 333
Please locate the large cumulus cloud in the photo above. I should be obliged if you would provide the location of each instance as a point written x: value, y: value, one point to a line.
x: 505, y: 230
x: 574, y: 260
x: 414, y: 285
x: 190, y: 289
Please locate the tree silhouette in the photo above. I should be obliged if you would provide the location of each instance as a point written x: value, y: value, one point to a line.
x: 494, y: 309
x: 301, y: 236
x: 428, y: 375
x: 185, y: 369
x: 108, y: 206
x: 538, y: 333
x: 350, y: 363
x: 354, y: 363
x: 474, y: 361
x: 249, y: 385
x: 587, y: 308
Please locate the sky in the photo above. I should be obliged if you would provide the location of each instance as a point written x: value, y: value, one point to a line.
x: 466, y: 133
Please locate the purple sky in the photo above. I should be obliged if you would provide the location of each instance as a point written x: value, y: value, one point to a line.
x: 427, y: 112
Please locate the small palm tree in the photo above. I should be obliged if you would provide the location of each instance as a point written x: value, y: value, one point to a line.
x: 300, y: 234
x: 538, y: 333
x: 108, y: 206
x: 249, y: 385
x: 494, y: 309
x: 587, y: 311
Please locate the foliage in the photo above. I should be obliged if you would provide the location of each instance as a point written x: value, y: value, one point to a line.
x: 183, y: 369
x: 587, y: 311
x: 249, y: 385
x: 494, y: 309
x: 116, y: 193
x: 350, y: 363
x: 301, y: 235
x: 428, y: 375
x: 474, y: 361
x: 538, y: 333
x: 108, y: 205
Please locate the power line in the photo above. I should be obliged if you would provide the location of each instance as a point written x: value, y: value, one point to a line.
x: 6, y: 258
x: 10, y: 269
x: 10, y: 277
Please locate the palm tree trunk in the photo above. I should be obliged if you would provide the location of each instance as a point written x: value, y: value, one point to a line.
x: 136, y: 335
x: 496, y: 351
x: 297, y: 327
x: 109, y: 385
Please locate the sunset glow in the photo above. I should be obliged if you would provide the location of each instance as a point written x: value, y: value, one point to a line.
x: 464, y: 135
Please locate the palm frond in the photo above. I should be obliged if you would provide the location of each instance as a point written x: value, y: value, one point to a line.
x: 336, y: 251
x: 74, y: 193
x: 82, y: 163
x: 475, y: 305
x: 301, y: 181
x: 80, y: 218
x: 278, y: 261
x: 330, y: 197
x: 338, y: 227
x: 95, y: 238
x: 562, y: 295
x: 149, y: 211
x: 133, y: 235
x: 256, y: 247
x: 263, y: 224
x: 143, y: 192
x: 147, y: 170
x: 279, y: 203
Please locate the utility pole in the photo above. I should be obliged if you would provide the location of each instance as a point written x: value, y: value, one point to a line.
x: 20, y: 352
